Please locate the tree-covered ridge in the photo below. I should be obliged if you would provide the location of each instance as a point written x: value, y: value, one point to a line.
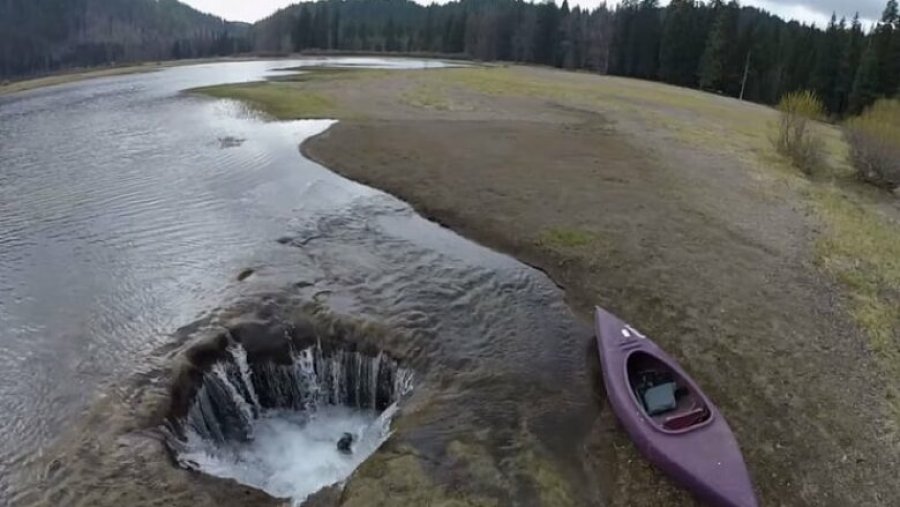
x: 38, y: 36
x: 717, y: 46
x: 711, y: 45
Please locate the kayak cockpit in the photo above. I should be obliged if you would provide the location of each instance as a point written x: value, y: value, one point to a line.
x: 668, y: 400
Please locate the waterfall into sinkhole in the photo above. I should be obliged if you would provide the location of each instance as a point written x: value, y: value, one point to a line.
x: 277, y: 426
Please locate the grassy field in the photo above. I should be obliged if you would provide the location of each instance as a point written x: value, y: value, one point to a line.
x: 860, y: 243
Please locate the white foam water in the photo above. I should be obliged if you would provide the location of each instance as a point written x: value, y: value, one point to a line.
x: 293, y: 454
x: 276, y: 427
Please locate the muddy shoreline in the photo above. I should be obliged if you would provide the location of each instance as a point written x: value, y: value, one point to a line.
x: 718, y: 272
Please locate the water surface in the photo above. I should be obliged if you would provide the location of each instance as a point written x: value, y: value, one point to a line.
x: 128, y: 209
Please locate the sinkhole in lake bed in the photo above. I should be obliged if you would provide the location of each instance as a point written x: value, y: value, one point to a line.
x: 290, y: 426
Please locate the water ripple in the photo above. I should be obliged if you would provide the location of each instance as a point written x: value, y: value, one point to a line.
x: 122, y: 218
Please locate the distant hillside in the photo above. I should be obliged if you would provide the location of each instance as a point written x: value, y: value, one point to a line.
x: 332, y: 24
x: 38, y: 36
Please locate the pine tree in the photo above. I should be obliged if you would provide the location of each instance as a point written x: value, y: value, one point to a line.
x: 759, y: 49
x: 866, y: 85
x: 622, y: 60
x: 547, y: 34
x: 334, y: 39
x: 714, y: 65
x: 646, y: 44
x: 447, y: 40
x: 564, y: 47
x: 850, y: 57
x: 828, y: 61
x: 319, y: 27
x: 302, y: 34
x: 888, y: 50
x: 679, y: 51
x: 891, y: 14
x: 427, y: 35
x: 390, y: 36
x: 458, y: 36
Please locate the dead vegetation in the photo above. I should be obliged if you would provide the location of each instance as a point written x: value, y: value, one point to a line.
x: 796, y: 137
x: 874, y: 139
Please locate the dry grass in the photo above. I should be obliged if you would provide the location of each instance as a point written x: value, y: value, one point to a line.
x: 874, y: 139
x: 429, y: 96
x: 861, y: 248
x: 860, y: 243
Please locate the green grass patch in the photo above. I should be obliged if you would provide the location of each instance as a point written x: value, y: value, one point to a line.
x: 314, y: 74
x: 861, y: 248
x: 565, y: 237
x: 282, y: 101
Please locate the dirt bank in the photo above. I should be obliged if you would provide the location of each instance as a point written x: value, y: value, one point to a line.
x: 694, y: 245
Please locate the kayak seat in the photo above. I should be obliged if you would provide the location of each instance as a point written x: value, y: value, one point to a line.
x: 686, y: 419
x: 660, y: 398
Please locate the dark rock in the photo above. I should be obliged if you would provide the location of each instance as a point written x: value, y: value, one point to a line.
x: 345, y: 444
x: 230, y: 142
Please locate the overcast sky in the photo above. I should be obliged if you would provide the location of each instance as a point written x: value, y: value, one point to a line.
x: 810, y: 11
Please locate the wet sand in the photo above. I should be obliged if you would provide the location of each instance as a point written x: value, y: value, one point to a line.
x: 688, y: 243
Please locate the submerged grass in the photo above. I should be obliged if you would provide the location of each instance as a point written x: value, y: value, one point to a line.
x: 282, y: 101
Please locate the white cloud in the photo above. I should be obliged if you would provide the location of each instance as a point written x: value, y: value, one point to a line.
x: 239, y: 10
x: 820, y: 14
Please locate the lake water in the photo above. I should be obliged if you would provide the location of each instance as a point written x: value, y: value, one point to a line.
x: 128, y: 209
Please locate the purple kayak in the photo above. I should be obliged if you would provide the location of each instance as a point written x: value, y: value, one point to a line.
x: 668, y: 417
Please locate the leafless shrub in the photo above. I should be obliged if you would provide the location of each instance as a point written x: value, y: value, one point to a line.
x: 796, y: 138
x: 874, y: 139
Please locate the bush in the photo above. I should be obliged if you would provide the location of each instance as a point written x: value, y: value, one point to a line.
x: 874, y: 139
x: 796, y: 137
